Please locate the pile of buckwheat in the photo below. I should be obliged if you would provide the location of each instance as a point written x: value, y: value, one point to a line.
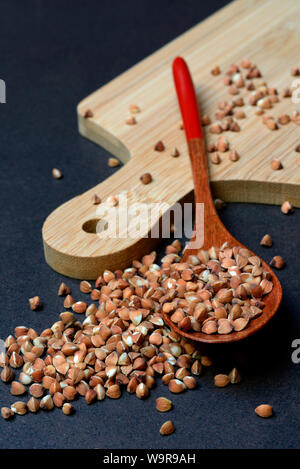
x: 217, y: 291
x: 123, y: 343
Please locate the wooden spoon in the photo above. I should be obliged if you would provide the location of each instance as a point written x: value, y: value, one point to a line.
x: 215, y: 233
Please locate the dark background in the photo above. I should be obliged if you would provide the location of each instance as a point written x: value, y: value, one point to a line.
x: 53, y: 54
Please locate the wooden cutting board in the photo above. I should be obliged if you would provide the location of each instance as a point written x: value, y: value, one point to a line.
x: 264, y: 31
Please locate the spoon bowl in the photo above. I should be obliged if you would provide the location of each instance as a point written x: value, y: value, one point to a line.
x: 215, y: 233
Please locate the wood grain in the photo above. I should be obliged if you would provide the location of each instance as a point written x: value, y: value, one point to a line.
x: 264, y: 32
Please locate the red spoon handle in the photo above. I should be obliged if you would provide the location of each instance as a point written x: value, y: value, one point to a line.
x: 187, y: 99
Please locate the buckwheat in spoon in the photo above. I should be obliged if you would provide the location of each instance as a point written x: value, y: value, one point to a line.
x: 231, y: 293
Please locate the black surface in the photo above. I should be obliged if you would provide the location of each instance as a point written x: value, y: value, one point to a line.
x: 52, y: 55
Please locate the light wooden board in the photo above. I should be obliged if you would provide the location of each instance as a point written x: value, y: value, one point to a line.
x: 264, y: 31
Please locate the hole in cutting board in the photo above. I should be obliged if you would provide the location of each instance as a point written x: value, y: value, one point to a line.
x: 95, y: 225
